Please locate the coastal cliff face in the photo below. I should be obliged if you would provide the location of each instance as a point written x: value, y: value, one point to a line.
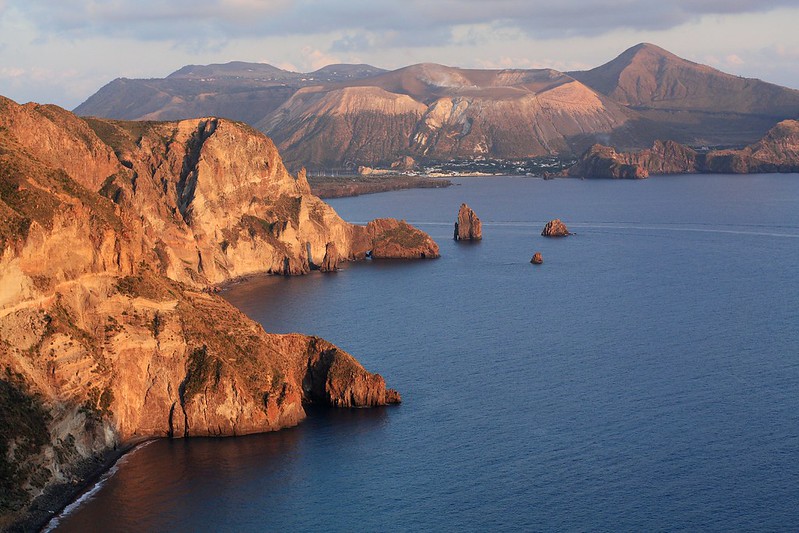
x: 777, y: 151
x: 666, y: 157
x: 110, y: 235
x: 219, y: 203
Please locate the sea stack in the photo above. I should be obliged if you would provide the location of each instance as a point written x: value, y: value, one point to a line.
x: 555, y: 228
x: 468, y: 226
x: 331, y: 260
x: 537, y: 259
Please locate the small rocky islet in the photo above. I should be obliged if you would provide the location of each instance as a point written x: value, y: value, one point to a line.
x: 468, y: 226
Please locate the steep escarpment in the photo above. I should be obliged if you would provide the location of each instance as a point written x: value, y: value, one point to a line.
x: 777, y: 151
x: 111, y: 234
x: 219, y: 202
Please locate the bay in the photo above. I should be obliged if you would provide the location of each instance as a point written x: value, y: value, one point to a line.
x: 646, y: 376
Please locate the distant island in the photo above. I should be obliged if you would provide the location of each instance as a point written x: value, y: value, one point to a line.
x: 343, y: 117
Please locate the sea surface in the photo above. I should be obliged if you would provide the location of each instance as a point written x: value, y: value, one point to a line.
x: 645, y: 377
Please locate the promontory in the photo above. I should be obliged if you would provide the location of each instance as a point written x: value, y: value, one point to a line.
x: 111, y: 235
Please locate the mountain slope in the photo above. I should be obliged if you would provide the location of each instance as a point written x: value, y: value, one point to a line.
x: 706, y: 104
x: 352, y: 115
x: 236, y: 90
x: 436, y: 112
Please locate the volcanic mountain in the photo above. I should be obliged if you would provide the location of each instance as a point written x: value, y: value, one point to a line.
x: 703, y: 105
x: 350, y: 115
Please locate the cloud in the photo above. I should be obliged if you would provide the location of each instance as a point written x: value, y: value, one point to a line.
x: 365, y: 24
x: 734, y: 59
x: 25, y: 84
x: 315, y: 59
x: 513, y: 62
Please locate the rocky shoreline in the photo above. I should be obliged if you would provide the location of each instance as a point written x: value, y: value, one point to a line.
x: 56, y: 498
x: 776, y: 152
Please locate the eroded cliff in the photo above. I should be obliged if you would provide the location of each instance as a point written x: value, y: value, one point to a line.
x: 111, y: 235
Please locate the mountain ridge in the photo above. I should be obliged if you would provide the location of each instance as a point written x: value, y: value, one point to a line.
x: 645, y: 93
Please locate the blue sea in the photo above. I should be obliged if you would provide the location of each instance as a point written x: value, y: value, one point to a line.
x: 645, y: 377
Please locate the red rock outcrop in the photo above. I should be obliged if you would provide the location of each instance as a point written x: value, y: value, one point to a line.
x: 555, y: 228
x: 537, y: 259
x: 396, y: 239
x: 468, y: 226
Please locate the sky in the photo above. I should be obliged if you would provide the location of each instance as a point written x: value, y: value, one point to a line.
x: 63, y: 51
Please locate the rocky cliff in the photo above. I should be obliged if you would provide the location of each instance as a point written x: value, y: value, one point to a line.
x: 110, y: 235
x: 666, y: 157
x: 777, y: 151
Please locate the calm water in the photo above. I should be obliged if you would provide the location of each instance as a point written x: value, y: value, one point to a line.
x: 646, y: 376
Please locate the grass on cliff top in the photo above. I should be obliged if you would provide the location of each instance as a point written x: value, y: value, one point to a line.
x: 404, y: 235
x: 202, y: 368
x: 287, y: 208
x: 120, y: 135
x: 149, y: 285
x: 230, y: 343
x: 32, y: 192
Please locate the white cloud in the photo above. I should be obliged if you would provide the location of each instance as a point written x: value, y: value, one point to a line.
x: 315, y: 59
x: 419, y: 22
x: 104, y: 39
x: 734, y: 60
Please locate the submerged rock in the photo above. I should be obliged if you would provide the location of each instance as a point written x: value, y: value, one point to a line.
x: 537, y: 258
x: 555, y: 228
x: 468, y: 226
